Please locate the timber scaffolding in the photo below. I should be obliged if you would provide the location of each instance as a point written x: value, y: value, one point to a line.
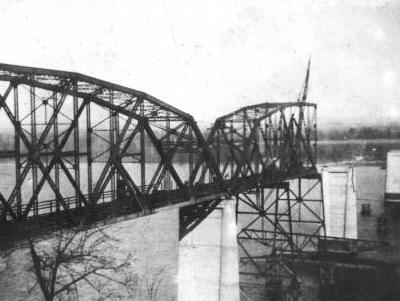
x: 96, y: 150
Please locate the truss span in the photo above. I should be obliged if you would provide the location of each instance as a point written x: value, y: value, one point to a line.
x: 77, y: 144
x: 82, y: 149
x: 267, y: 142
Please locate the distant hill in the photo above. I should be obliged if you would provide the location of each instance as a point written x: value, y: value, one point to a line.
x: 360, y: 132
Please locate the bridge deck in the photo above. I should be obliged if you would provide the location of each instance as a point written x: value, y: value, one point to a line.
x: 51, y: 219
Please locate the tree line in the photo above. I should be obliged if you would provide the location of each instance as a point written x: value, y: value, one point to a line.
x: 360, y: 132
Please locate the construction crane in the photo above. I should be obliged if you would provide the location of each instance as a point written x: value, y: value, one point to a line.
x: 303, y: 96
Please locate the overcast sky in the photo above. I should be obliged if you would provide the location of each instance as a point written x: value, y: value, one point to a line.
x: 210, y: 57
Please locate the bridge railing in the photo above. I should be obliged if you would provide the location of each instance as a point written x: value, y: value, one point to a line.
x: 51, y: 206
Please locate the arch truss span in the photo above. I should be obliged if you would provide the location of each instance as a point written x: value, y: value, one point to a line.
x: 81, y: 146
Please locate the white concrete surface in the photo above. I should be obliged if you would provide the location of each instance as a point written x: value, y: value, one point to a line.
x: 152, y: 241
x: 208, y: 259
x: 340, y: 202
x: 392, y: 187
x: 229, y: 278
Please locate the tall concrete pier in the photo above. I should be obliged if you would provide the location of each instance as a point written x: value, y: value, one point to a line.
x: 340, y: 202
x: 229, y: 278
x: 392, y: 186
x: 208, y: 259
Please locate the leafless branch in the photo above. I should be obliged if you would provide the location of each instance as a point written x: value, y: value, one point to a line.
x: 78, y: 256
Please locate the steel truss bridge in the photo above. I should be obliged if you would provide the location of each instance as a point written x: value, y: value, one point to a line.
x: 78, y: 150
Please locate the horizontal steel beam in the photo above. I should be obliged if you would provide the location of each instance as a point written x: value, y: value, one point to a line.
x: 17, y: 72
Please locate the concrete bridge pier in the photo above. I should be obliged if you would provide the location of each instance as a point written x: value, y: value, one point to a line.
x: 208, y: 259
x: 340, y: 202
x: 229, y: 282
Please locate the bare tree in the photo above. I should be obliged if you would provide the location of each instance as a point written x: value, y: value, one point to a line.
x: 80, y: 257
x: 153, y: 284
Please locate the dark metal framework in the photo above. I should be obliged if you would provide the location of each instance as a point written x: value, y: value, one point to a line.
x: 81, y: 144
x: 86, y: 149
x: 267, y: 155
x: 78, y: 149
x: 266, y: 140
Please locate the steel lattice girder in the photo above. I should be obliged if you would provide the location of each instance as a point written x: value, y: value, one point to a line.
x: 265, y: 139
x: 121, y: 126
x: 284, y: 218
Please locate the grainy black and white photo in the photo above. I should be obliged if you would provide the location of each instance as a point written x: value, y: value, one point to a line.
x: 214, y: 150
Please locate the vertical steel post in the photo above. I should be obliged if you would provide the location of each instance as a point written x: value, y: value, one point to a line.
x: 35, y: 155
x: 203, y: 173
x: 218, y: 151
x: 244, y: 146
x: 17, y: 147
x: 256, y: 150
x: 112, y: 143
x: 89, y: 151
x: 232, y: 142
x: 276, y: 221
x: 264, y: 234
x: 267, y: 138
x: 289, y: 208
x: 299, y: 197
x: 55, y: 147
x: 167, y: 179
x: 76, y: 149
x: 142, y: 152
x: 191, y: 157
x: 117, y: 135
